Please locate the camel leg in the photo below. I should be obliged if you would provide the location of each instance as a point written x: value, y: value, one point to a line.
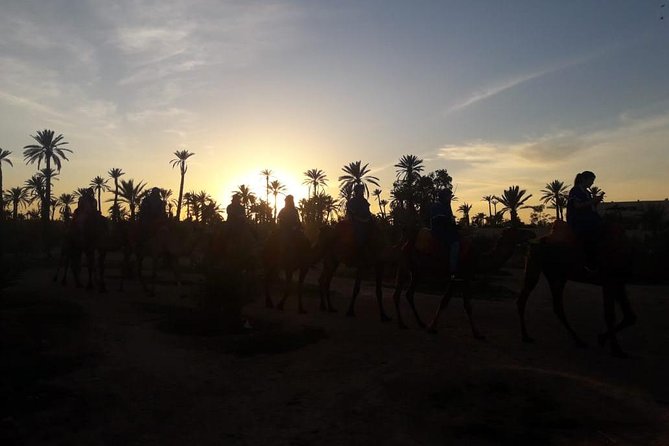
x: 612, y: 293
x: 324, y: 281
x: 269, y: 274
x: 415, y: 280
x: 102, y: 255
x: 557, y: 288
x: 379, y: 291
x: 532, y: 274
x: 400, y: 280
x: 356, y: 291
x: 90, y: 263
x: 432, y: 328
x: 629, y: 317
x: 467, y: 302
x: 323, y: 287
x: 286, y: 291
x: 300, y: 286
x: 76, y: 267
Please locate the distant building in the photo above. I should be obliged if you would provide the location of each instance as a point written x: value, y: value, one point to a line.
x: 637, y: 214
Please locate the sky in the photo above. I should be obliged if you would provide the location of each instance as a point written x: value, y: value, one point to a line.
x: 498, y: 93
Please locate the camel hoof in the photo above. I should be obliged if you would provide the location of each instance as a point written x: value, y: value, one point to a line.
x: 402, y: 326
x: 302, y: 311
x: 432, y: 330
x: 421, y: 324
x: 269, y: 304
x: 385, y: 318
x: 332, y: 310
x: 350, y: 313
x: 479, y: 337
x: 528, y: 340
x: 323, y: 308
x: 279, y: 307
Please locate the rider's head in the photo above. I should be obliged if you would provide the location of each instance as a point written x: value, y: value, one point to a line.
x: 359, y: 190
x: 155, y: 191
x: 236, y: 198
x: 90, y: 192
x: 445, y: 195
x: 585, y: 179
x: 289, y: 201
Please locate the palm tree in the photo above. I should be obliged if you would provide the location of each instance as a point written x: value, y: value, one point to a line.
x: 246, y: 197
x: 315, y: 178
x: 65, y: 201
x: 131, y: 194
x: 594, y: 190
x: 48, y: 148
x: 513, y: 199
x: 489, y: 199
x: 180, y: 160
x: 18, y: 196
x: 266, y: 173
x: 409, y: 168
x: 553, y: 193
x: 188, y: 201
x: 465, y: 208
x: 276, y: 188
x: 377, y: 194
x: 99, y: 184
x: 35, y: 188
x: 356, y: 173
x: 115, y: 173
x: 3, y: 159
x: 383, y: 204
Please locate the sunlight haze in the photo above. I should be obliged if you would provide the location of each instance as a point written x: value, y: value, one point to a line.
x: 497, y: 93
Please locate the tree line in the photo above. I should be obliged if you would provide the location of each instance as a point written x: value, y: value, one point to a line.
x: 409, y: 198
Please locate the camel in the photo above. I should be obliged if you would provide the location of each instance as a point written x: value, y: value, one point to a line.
x: 337, y: 245
x: 288, y: 253
x: 423, y: 255
x: 560, y: 258
x: 89, y: 240
x: 160, y: 241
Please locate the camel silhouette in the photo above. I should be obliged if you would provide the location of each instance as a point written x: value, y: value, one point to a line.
x: 422, y: 255
x: 337, y: 245
x: 87, y: 239
x: 560, y: 258
x: 289, y: 253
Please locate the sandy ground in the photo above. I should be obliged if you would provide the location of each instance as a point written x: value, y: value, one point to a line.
x: 79, y: 367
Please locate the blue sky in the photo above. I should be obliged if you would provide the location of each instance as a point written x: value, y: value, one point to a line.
x: 498, y: 93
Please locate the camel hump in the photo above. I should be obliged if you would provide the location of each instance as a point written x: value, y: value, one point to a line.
x: 560, y: 233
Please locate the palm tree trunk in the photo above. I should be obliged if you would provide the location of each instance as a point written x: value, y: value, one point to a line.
x: 275, y: 208
x: 181, y: 193
x: 15, y: 210
x: 99, y: 202
x: 115, y: 211
x: 490, y: 213
x: 46, y: 202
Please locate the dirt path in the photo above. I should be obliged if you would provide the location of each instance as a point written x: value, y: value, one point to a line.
x: 84, y: 368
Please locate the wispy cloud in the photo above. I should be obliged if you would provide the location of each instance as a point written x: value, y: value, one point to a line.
x: 503, y: 85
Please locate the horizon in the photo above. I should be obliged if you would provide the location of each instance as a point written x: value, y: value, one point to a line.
x: 519, y: 94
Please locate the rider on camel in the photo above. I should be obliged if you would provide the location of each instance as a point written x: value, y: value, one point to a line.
x: 357, y: 212
x: 87, y: 209
x: 444, y: 229
x: 288, y: 218
x: 152, y: 211
x: 582, y: 215
x: 236, y: 213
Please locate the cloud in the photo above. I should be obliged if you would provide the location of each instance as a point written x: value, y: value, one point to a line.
x: 500, y: 86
